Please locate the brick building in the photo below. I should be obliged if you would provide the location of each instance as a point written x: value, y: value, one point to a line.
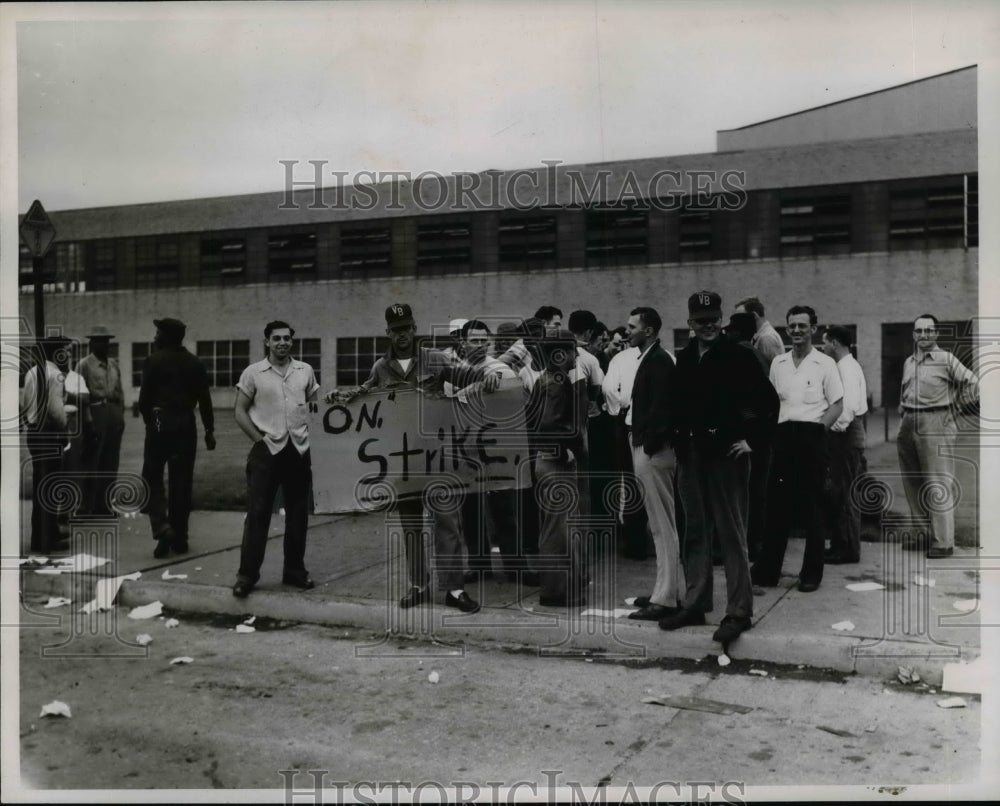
x: 864, y: 208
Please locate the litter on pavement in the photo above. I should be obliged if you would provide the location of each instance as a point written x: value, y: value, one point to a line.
x: 906, y: 675
x: 951, y: 702
x: 182, y: 659
x: 245, y: 628
x: 105, y: 592
x: 925, y: 581
x: 618, y: 612
x: 142, y: 639
x: 698, y: 704
x: 758, y: 672
x: 170, y: 623
x: 433, y: 677
x: 56, y: 708
x: 146, y: 611
x: 724, y: 660
x: 56, y: 601
x: 965, y: 605
x: 843, y: 626
x: 865, y: 586
x: 965, y: 678
x: 838, y: 731
x: 167, y: 575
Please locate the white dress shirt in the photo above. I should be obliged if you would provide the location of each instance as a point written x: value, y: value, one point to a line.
x: 806, y: 390
x: 855, y: 392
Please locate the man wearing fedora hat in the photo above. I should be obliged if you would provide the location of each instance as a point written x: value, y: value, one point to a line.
x: 107, y: 419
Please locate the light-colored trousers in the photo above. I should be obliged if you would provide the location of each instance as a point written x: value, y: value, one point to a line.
x: 656, y: 474
x: 925, y: 445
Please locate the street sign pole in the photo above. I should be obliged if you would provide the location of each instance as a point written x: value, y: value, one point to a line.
x: 37, y: 233
x: 36, y: 267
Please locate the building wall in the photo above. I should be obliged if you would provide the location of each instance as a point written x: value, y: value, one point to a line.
x: 941, y: 103
x: 866, y: 290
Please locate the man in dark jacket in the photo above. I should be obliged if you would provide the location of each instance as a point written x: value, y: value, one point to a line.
x: 726, y: 409
x: 651, y: 421
x: 173, y: 383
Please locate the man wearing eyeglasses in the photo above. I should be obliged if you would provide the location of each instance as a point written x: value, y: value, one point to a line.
x: 811, y: 393
x: 934, y: 382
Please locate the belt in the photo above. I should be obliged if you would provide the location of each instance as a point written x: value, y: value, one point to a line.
x: 911, y: 410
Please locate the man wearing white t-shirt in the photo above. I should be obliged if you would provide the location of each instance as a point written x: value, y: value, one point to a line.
x: 811, y: 393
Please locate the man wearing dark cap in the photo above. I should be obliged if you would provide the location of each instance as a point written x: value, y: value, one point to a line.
x: 107, y: 419
x: 173, y: 383
x: 45, y: 423
x: 272, y: 408
x: 405, y: 367
x: 726, y: 407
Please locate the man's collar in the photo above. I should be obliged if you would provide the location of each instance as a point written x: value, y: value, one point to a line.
x: 920, y: 355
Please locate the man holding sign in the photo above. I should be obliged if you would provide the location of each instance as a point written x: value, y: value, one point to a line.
x: 405, y: 367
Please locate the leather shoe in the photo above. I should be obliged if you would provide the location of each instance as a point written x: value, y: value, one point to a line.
x: 180, y: 546
x: 934, y: 553
x: 731, y: 628
x: 685, y: 618
x: 641, y: 601
x: 162, y: 549
x: 242, y: 589
x: 836, y: 558
x: 303, y: 582
x: 463, y: 602
x: 653, y: 612
x: 808, y: 587
x: 414, y: 597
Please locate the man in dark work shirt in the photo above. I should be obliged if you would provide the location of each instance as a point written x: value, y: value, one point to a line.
x: 173, y: 383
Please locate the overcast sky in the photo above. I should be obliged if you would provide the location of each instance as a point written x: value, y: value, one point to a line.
x: 118, y: 104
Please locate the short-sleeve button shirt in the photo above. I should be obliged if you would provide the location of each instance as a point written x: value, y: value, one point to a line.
x: 809, y: 389
x: 279, y: 404
x: 935, y: 379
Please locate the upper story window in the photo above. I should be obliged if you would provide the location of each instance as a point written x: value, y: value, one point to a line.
x: 816, y: 221
x: 223, y: 260
x: 444, y: 246
x: 617, y: 235
x: 291, y: 255
x: 366, y: 250
x: 156, y: 263
x: 527, y: 241
x: 930, y: 213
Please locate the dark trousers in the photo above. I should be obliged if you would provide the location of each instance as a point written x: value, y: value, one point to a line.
x: 795, y: 497
x: 760, y: 476
x: 172, y: 443
x: 291, y: 471
x: 843, y: 515
x: 101, y: 456
x: 560, y: 553
x: 411, y: 521
x: 715, y: 491
x: 529, y: 517
x: 501, y: 506
x: 46, y: 450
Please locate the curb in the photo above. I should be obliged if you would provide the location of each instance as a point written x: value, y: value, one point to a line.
x: 554, y: 633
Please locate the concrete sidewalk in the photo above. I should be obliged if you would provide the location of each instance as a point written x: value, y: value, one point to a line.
x: 360, y: 574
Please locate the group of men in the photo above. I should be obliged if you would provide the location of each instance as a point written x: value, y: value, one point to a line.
x: 73, y: 424
x: 734, y: 441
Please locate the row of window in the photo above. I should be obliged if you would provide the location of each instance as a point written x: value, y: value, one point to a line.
x: 835, y: 219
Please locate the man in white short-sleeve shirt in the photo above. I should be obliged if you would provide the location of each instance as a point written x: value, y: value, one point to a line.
x: 809, y: 387
x: 272, y: 408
